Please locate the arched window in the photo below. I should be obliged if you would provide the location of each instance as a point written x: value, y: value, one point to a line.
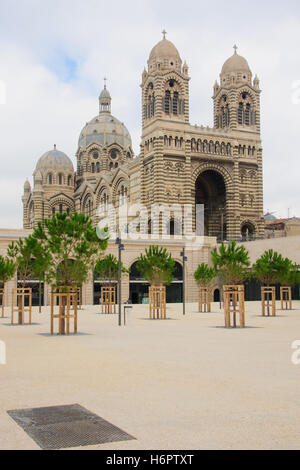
x: 69, y: 180
x: 241, y: 113
x: 60, y: 178
x: 98, y: 167
x: 172, y: 102
x: 93, y: 167
x: 247, y: 114
x: 50, y: 179
x: 175, y: 102
x: 60, y: 208
x: 88, y: 207
x: 167, y: 102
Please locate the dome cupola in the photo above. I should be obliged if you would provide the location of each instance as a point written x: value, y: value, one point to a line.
x: 104, y: 101
x: 236, y: 70
x: 54, y: 160
x: 164, y: 56
x: 104, y: 129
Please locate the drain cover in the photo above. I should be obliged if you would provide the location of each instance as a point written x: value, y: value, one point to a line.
x: 60, y: 427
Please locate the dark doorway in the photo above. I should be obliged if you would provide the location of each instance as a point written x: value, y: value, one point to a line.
x: 247, y: 231
x: 98, y: 283
x: 217, y: 295
x: 139, y: 286
x: 210, y: 191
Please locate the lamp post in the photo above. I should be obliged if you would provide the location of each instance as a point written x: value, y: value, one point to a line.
x: 120, y: 249
x: 184, y: 259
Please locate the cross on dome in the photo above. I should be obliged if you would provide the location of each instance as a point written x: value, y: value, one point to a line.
x: 164, y: 32
x: 235, y: 48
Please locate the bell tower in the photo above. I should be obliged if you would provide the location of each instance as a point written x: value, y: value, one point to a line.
x: 165, y: 86
x: 237, y: 96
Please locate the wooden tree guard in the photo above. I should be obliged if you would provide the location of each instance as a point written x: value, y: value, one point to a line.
x: 2, y: 301
x: 157, y: 302
x: 205, y: 295
x: 108, y: 299
x: 20, y: 295
x: 79, y: 299
x: 268, y: 299
x: 234, y: 303
x: 286, y: 297
x: 67, y: 296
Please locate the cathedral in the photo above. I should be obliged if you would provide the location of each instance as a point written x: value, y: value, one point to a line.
x: 179, y: 163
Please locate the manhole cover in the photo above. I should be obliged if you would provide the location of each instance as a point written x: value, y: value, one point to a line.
x: 60, y: 427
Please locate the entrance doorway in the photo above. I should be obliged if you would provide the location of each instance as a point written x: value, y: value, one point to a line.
x: 210, y: 191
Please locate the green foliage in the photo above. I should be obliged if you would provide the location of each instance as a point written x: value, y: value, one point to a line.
x: 271, y: 267
x: 291, y: 277
x: 232, y: 262
x: 107, y: 268
x: 7, y: 269
x: 204, y: 274
x: 156, y: 266
x: 28, y: 257
x: 69, y: 248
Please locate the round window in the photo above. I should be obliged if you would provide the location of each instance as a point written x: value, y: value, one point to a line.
x: 95, y: 155
x: 113, y: 154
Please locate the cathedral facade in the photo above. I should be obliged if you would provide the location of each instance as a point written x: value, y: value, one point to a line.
x: 179, y: 163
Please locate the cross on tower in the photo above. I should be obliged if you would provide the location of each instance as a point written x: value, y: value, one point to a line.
x: 105, y: 80
x: 235, y: 48
x: 164, y: 32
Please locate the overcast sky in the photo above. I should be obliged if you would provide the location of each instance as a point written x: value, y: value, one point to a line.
x: 55, y: 53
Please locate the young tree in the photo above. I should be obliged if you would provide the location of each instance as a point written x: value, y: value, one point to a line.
x: 291, y: 277
x: 70, y: 247
x: 204, y: 275
x: 156, y: 266
x: 107, y: 268
x: 232, y: 262
x: 29, y: 260
x: 7, y: 270
x: 271, y: 267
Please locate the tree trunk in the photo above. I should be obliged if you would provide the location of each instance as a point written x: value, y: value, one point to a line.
x: 62, y: 311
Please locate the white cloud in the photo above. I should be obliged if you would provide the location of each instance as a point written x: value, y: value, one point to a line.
x: 115, y: 39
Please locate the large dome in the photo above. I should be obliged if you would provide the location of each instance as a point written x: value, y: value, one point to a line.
x: 105, y: 130
x: 235, y: 63
x: 164, y: 49
x: 55, y: 160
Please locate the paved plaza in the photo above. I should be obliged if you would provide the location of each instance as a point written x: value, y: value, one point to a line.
x: 181, y: 383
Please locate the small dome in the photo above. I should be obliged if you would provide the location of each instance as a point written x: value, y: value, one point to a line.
x: 235, y: 63
x: 164, y: 49
x: 55, y: 160
x: 27, y: 186
x: 105, y: 94
x: 105, y: 130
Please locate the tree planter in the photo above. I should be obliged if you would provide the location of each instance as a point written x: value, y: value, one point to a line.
x: 67, y: 297
x: 234, y: 304
x: 205, y: 295
x: 79, y: 299
x: 108, y: 299
x: 268, y: 300
x: 19, y: 297
x: 286, y: 297
x: 2, y: 301
x: 157, y: 302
